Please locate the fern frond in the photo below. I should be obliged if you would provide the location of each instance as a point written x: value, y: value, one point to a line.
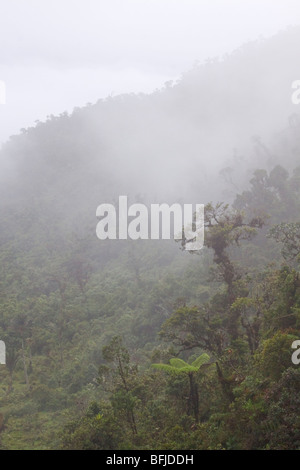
x: 203, y: 359
x: 178, y: 363
x: 167, y: 368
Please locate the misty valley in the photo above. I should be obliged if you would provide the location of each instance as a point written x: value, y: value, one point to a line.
x: 139, y: 326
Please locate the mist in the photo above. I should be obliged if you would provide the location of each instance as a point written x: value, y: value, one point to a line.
x: 56, y: 56
x: 197, y: 138
x: 185, y: 102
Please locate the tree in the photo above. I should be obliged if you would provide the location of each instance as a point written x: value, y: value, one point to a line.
x: 288, y: 234
x: 116, y: 354
x: 179, y: 367
x: 217, y: 322
x: 225, y: 227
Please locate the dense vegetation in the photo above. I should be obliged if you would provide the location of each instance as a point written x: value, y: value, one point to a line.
x: 140, y: 344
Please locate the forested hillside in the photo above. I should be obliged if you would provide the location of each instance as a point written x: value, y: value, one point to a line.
x: 123, y: 344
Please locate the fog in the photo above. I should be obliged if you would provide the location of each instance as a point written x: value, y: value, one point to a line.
x: 160, y: 101
x: 58, y: 55
x: 156, y: 100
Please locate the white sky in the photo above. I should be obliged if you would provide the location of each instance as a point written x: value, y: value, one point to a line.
x: 58, y: 54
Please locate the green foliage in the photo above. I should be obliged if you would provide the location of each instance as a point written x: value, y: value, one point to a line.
x: 289, y: 235
x: 83, y: 320
x: 275, y: 355
x: 178, y: 366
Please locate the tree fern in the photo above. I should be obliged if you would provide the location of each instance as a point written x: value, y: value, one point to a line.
x: 178, y: 366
